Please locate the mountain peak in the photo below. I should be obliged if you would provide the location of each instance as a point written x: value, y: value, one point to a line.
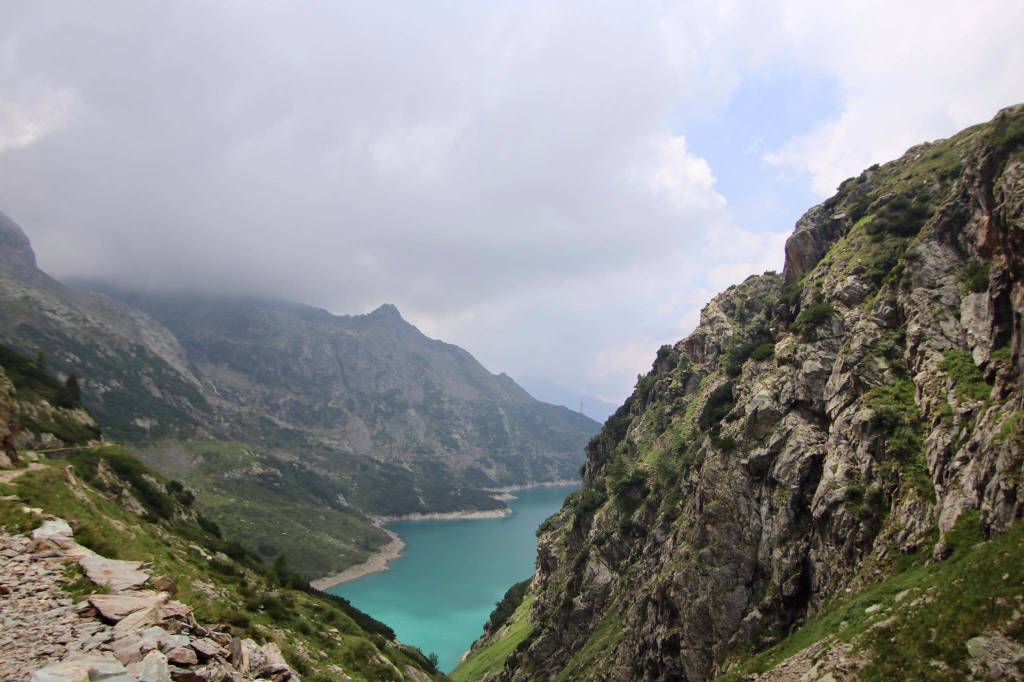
x: 387, y: 310
x: 15, y: 248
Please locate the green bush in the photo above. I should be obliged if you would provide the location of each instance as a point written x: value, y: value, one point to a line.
x: 718, y: 405
x: 967, y: 378
x: 33, y: 380
x: 812, y: 317
x: 897, y: 418
x: 975, y: 277
x: 900, y: 216
x: 763, y: 352
x: 504, y: 609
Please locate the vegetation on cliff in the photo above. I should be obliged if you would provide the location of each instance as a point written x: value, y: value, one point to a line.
x: 815, y: 448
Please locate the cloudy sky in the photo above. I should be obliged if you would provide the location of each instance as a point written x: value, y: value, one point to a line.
x: 557, y: 187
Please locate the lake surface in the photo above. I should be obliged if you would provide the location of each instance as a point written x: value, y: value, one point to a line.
x: 439, y: 593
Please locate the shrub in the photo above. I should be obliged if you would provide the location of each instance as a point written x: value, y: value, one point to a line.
x: 975, y: 277
x: 811, y: 318
x: 897, y: 418
x: 763, y: 352
x: 968, y: 381
x: 900, y: 216
x: 504, y: 609
x: 33, y: 380
x: 717, y: 406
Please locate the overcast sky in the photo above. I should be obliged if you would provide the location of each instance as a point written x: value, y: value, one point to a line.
x: 557, y: 187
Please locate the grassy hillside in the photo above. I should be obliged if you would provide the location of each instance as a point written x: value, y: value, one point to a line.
x: 216, y: 575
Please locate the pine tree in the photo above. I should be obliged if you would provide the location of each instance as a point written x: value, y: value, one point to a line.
x: 73, y: 389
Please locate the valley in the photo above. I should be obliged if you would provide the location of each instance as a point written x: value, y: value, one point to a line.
x: 511, y: 342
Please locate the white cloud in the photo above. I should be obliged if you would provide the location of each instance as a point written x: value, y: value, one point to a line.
x: 681, y: 178
x: 514, y: 175
x: 907, y: 72
x: 26, y: 120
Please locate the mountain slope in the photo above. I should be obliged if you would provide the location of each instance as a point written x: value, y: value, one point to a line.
x: 826, y: 439
x: 293, y: 425
x: 120, y: 510
x: 371, y: 385
x: 139, y: 383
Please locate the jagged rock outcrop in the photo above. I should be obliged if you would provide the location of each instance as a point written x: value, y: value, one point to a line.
x: 817, y: 428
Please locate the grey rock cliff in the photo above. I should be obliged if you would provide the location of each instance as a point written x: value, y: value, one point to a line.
x: 817, y: 426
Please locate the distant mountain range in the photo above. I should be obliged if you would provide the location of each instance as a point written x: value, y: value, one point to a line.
x: 550, y: 392
x: 279, y: 413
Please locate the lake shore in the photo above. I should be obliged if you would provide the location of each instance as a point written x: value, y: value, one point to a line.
x: 446, y: 516
x: 378, y: 562
x: 383, y: 557
x: 561, y: 483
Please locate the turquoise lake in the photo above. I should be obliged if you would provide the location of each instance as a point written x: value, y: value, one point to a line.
x: 439, y: 593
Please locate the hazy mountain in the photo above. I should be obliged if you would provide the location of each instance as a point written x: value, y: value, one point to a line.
x: 550, y: 392
x: 370, y: 385
x: 291, y: 422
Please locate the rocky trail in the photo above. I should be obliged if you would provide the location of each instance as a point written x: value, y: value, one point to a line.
x: 129, y: 630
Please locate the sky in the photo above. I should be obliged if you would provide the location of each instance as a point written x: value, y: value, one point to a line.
x: 557, y: 187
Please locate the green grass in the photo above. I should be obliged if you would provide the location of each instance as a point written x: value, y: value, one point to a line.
x: 77, y: 585
x: 969, y: 594
x: 13, y: 519
x: 811, y: 318
x: 247, y: 594
x: 491, y: 656
x: 969, y: 383
x: 603, y: 641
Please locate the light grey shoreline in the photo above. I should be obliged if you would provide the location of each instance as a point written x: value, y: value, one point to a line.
x: 382, y: 558
x: 378, y: 561
x: 561, y: 483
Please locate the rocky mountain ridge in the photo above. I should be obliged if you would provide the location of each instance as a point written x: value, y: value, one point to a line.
x: 834, y: 457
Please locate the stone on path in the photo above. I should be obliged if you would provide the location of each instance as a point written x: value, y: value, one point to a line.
x: 153, y: 668
x: 118, y: 575
x: 115, y: 607
x: 91, y: 668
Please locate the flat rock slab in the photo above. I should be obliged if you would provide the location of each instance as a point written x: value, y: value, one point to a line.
x: 119, y: 576
x: 115, y: 607
x: 54, y: 528
x: 94, y: 668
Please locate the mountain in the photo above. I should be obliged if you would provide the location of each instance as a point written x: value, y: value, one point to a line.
x: 294, y: 426
x: 371, y: 385
x: 145, y: 587
x: 826, y: 479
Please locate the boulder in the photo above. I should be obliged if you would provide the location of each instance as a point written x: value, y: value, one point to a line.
x: 115, y: 607
x: 996, y: 657
x: 90, y: 668
x: 269, y: 662
x: 139, y: 620
x: 207, y: 648
x: 119, y: 576
x: 182, y: 656
x: 154, y: 668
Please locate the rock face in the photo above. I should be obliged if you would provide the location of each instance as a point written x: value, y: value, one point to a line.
x: 372, y: 385
x: 815, y: 427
